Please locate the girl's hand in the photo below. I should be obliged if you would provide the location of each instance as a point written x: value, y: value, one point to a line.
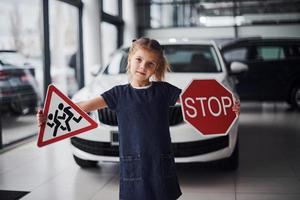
x: 40, y: 117
x: 236, y: 107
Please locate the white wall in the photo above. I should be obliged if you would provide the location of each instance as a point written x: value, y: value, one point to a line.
x: 289, y: 30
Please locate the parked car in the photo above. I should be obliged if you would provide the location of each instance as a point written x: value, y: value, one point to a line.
x: 18, y: 90
x: 273, y: 69
x: 63, y: 76
x: 189, y: 61
x: 16, y: 58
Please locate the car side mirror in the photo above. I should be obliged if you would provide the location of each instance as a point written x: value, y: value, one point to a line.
x: 238, y: 67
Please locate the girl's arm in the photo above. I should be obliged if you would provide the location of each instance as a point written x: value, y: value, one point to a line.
x: 86, y: 106
x: 92, y: 104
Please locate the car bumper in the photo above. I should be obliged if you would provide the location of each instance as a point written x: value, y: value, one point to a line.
x: 20, y: 103
x: 188, y: 144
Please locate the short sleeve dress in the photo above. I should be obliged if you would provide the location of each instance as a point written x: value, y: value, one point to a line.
x: 147, y: 167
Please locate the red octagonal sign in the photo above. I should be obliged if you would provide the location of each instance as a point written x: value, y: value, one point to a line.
x: 207, y: 106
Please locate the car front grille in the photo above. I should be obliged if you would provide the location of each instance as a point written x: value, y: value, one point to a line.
x: 180, y: 149
x: 109, y: 117
x: 200, y: 147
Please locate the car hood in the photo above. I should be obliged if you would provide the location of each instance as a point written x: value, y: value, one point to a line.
x: 103, y: 83
x: 182, y: 80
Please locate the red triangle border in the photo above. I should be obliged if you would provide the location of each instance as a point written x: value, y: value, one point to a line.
x: 52, y: 89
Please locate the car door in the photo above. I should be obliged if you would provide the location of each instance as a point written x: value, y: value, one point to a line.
x: 268, y: 67
x: 246, y: 85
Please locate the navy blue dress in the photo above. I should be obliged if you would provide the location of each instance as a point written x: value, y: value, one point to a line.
x: 147, y: 168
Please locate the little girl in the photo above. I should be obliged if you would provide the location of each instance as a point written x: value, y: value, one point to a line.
x: 147, y: 168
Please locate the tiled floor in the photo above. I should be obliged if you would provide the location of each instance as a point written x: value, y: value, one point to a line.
x: 269, y: 166
x: 11, y: 126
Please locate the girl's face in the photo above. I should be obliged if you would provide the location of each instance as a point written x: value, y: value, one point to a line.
x: 142, y: 65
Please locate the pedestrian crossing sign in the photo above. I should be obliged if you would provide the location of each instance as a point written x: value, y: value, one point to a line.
x: 64, y: 118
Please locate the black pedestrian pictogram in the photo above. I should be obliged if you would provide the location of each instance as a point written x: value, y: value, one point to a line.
x: 66, y: 116
x: 55, y: 122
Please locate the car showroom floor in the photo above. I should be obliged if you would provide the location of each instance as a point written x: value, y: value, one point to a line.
x: 269, y: 166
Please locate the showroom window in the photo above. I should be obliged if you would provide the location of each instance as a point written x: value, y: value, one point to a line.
x: 21, y: 69
x: 111, y: 28
x: 109, y: 37
x: 23, y: 55
x: 111, y: 7
x: 63, y: 26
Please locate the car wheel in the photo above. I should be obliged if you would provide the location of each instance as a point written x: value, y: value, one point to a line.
x: 16, y: 108
x: 295, y: 97
x: 85, y: 163
x: 232, y: 163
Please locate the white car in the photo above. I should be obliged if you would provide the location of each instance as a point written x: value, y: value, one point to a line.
x: 200, y: 60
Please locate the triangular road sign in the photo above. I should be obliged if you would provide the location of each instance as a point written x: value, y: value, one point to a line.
x: 64, y: 118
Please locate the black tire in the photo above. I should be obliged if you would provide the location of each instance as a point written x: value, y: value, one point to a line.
x: 85, y: 163
x: 295, y: 97
x: 16, y: 108
x: 232, y: 163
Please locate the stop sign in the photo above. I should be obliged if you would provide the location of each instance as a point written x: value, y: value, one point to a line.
x: 207, y: 106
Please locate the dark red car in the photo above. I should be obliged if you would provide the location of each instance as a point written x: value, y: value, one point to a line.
x: 18, y: 90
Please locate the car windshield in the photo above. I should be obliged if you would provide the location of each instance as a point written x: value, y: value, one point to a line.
x: 192, y: 58
x: 182, y: 58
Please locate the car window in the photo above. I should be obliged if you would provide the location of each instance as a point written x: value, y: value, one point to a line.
x: 192, y: 58
x: 239, y: 54
x: 270, y: 53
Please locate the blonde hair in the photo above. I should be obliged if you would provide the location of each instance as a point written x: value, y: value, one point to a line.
x: 151, y: 45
